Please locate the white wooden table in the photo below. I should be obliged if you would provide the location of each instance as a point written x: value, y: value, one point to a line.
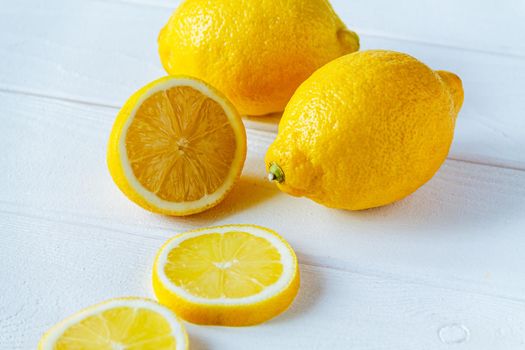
x: 443, y: 269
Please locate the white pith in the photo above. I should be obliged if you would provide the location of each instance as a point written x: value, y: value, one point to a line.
x: 207, y: 199
x: 178, y: 330
x: 288, y: 261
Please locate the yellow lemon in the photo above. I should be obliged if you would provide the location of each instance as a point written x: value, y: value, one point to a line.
x: 177, y: 147
x: 365, y: 130
x: 236, y: 275
x: 125, y: 323
x: 256, y: 52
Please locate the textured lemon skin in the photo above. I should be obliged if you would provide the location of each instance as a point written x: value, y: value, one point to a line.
x: 366, y: 130
x: 256, y: 52
x: 239, y: 315
x: 114, y: 155
x: 52, y: 330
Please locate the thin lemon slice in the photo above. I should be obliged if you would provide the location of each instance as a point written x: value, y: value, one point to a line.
x: 118, y: 324
x: 236, y: 275
x: 177, y: 147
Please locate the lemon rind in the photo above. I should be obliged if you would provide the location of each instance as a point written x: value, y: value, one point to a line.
x: 178, y: 331
x: 152, y: 201
x: 288, y: 259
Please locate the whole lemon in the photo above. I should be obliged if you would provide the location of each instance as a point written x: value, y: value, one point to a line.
x: 365, y: 130
x: 256, y: 52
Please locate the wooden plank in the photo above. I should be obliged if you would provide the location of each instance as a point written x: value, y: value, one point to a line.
x: 52, y: 269
x: 485, y: 26
x: 100, y: 52
x: 482, y: 26
x: 490, y: 128
x: 441, y: 269
x: 462, y: 230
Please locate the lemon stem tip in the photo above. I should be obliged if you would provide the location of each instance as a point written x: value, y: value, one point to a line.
x: 275, y: 173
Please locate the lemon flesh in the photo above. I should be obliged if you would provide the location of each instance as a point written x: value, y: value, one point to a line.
x: 231, y: 275
x: 177, y: 147
x: 131, y: 324
x: 229, y: 265
x: 180, y: 144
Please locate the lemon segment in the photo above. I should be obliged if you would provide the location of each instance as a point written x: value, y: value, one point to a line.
x: 235, y: 275
x: 126, y: 323
x: 177, y: 147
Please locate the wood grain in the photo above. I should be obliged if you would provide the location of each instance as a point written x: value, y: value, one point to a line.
x: 68, y: 266
x: 462, y: 230
x: 440, y: 270
x: 467, y: 24
x: 113, y: 53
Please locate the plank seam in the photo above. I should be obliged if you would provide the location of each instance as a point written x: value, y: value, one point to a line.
x: 253, y: 126
x: 373, y: 274
x: 362, y: 33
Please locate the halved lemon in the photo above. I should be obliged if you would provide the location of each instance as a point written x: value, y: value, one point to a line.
x: 177, y: 147
x: 236, y: 275
x: 118, y: 324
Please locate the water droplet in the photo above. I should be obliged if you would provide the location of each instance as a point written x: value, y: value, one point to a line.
x: 454, y: 334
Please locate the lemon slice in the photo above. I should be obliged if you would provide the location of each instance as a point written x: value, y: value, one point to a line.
x: 177, y: 147
x: 118, y: 324
x: 235, y: 275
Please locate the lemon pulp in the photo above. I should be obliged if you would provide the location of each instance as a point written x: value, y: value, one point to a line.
x: 232, y: 275
x: 180, y: 144
x: 229, y: 265
x: 117, y: 329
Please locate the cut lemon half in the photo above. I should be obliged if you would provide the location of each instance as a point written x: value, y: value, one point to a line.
x: 237, y: 275
x: 177, y: 147
x: 118, y: 324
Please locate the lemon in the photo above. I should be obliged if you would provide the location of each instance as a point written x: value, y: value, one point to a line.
x: 236, y: 275
x: 365, y: 130
x: 177, y: 147
x: 125, y: 323
x: 256, y: 52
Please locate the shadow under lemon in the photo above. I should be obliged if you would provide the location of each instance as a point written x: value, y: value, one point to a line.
x: 269, y: 122
x: 461, y: 195
x: 247, y: 194
x: 310, y: 293
x: 196, y: 341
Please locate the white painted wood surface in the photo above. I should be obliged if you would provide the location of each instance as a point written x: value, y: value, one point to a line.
x: 442, y: 269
